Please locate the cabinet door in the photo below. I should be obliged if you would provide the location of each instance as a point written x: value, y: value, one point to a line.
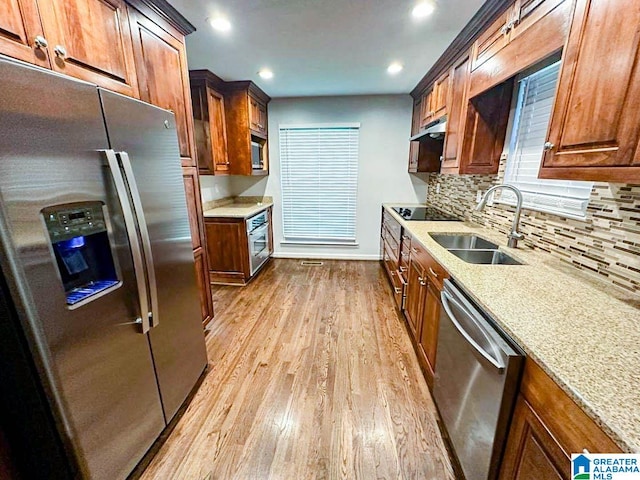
x: 492, y: 39
x: 427, y: 111
x: 262, y: 117
x: 457, y: 112
x: 430, y: 324
x: 595, y: 124
x: 414, y: 146
x: 254, y: 114
x: 218, y: 131
x: 19, y: 27
x: 532, y: 453
x: 227, y: 246
x: 440, y: 95
x: 415, y: 296
x: 194, y: 205
x: 527, y: 12
x: 164, y: 77
x: 91, y: 40
x: 202, y: 277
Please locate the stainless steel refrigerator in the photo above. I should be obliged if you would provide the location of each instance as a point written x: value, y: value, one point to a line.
x: 95, y: 247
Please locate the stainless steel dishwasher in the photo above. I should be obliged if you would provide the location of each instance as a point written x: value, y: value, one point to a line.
x: 477, y: 373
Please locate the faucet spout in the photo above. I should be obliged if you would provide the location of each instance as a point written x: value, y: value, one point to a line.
x: 515, y: 235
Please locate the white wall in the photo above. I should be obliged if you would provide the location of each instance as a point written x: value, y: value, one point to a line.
x: 214, y: 188
x: 385, y: 125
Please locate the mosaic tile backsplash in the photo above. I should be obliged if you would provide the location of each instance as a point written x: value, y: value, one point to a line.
x: 607, y: 243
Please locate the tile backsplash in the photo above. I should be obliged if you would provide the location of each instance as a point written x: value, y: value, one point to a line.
x: 606, y: 243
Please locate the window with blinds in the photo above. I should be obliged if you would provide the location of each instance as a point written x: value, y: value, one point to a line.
x: 533, y: 111
x: 319, y: 179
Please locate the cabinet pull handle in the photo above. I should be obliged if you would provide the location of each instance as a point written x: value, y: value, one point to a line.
x: 414, y: 250
x: 423, y: 282
x: 398, y: 290
x: 433, y: 273
x: 548, y: 146
x: 393, y: 273
x: 406, y: 237
x: 60, y: 51
x: 40, y: 42
x: 403, y: 269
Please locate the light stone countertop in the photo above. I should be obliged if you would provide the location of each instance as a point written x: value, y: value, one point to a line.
x: 237, y: 210
x: 583, y: 334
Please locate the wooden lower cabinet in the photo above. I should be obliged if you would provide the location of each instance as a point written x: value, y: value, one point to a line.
x: 428, y: 343
x: 227, y: 245
x: 204, y: 286
x: 414, y: 304
x: 532, y: 452
x: 546, y: 428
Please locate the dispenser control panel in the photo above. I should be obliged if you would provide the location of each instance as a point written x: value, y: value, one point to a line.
x: 67, y: 223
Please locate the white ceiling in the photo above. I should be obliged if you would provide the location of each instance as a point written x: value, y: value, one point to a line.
x: 322, y: 47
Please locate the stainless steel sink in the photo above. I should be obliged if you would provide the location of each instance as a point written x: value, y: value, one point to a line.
x: 463, y: 242
x: 485, y: 257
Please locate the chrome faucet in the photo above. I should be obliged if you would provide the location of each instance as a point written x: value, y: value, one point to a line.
x: 514, y: 236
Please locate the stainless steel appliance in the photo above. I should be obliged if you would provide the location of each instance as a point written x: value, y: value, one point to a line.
x: 476, y: 378
x: 429, y: 214
x: 257, y: 158
x: 259, y: 241
x: 95, y: 247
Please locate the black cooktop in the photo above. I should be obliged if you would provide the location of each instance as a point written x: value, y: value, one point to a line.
x: 430, y: 214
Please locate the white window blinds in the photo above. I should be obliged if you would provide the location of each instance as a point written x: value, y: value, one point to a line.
x: 536, y: 94
x: 319, y: 179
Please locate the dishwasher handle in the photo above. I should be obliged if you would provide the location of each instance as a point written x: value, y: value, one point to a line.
x: 446, y: 300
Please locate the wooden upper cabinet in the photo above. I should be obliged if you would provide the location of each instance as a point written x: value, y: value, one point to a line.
x: 163, y: 76
x: 91, y: 40
x: 457, y: 112
x: 493, y: 39
x: 440, y: 95
x: 426, y: 115
x: 527, y: 13
x: 595, y: 124
x: 210, y: 124
x: 257, y: 115
x: 21, y: 34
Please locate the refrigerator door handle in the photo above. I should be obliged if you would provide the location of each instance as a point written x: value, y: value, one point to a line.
x: 129, y: 220
x: 144, y: 234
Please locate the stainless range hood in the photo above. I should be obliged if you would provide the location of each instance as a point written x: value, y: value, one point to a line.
x: 435, y: 129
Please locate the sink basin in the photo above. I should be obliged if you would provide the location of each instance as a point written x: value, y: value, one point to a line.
x: 485, y: 257
x: 463, y: 242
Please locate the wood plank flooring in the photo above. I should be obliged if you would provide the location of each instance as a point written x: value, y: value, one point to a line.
x: 313, y: 376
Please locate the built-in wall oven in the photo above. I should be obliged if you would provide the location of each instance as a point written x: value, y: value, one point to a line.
x: 259, y: 241
x: 477, y: 373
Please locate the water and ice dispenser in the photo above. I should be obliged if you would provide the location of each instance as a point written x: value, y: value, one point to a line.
x: 83, y: 253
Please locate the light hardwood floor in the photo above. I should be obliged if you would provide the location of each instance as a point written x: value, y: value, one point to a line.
x: 313, y: 376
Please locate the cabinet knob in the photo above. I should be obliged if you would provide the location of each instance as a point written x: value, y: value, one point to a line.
x: 40, y: 42
x: 60, y: 51
x: 549, y: 146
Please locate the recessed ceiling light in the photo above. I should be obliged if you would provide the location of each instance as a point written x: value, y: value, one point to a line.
x: 395, y: 68
x: 220, y: 24
x: 423, y: 9
x: 266, y: 74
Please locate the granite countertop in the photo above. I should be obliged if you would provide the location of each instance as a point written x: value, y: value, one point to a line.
x: 238, y: 209
x: 583, y: 334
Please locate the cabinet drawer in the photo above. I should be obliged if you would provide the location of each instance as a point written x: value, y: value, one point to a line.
x: 398, y: 285
x: 434, y: 271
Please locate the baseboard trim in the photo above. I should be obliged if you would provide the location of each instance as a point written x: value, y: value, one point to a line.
x: 327, y: 256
